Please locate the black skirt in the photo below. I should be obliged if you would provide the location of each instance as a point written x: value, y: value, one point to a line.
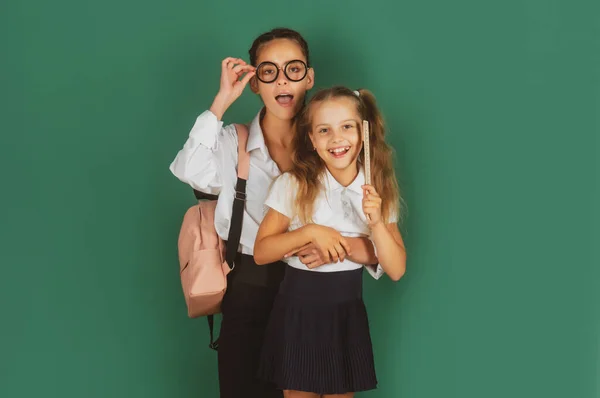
x: 317, y: 339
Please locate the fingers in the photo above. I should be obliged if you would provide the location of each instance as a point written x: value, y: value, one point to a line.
x: 290, y: 254
x: 337, y: 253
x: 346, y: 246
x: 374, y: 198
x: 310, y: 258
x: 300, y: 251
x: 372, y: 204
x: 371, y: 198
x: 247, y: 78
x: 315, y: 258
x: 240, y: 69
x: 325, y: 256
x: 333, y: 255
x: 308, y: 251
x: 230, y: 62
x: 372, y: 209
x: 369, y: 190
x: 304, y: 251
x: 340, y: 251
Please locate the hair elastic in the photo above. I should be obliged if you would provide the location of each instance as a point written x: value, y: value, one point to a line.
x: 356, y: 93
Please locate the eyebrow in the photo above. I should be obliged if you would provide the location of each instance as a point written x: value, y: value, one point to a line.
x: 278, y: 64
x: 342, y: 122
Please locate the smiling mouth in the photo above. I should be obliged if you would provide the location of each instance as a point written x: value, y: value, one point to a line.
x: 284, y: 99
x: 339, y: 152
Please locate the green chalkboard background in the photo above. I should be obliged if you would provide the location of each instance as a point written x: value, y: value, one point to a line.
x: 493, y: 108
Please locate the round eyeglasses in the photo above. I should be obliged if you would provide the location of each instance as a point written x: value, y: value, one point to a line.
x: 268, y: 72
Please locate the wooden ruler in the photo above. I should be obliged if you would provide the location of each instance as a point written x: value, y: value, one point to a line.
x: 367, y: 150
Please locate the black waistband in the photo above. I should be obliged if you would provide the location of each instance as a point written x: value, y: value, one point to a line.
x: 322, y: 287
x: 248, y: 272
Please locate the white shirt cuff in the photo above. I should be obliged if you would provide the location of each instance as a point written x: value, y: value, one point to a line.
x: 206, y: 129
x: 375, y: 271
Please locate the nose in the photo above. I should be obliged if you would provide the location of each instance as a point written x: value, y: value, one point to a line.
x: 281, y: 78
x: 337, y: 135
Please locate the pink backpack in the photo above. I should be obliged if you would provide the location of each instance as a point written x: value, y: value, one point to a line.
x: 204, y: 259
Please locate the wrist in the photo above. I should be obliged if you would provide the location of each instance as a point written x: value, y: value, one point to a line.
x: 307, y: 233
x: 378, y: 227
x: 219, y: 106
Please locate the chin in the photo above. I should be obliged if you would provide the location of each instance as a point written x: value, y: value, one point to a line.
x: 340, y: 166
x: 282, y: 113
x: 344, y: 166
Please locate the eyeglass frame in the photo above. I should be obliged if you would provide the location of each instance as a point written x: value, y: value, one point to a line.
x: 283, y: 68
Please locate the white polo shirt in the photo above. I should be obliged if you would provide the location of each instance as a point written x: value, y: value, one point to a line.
x: 336, y: 206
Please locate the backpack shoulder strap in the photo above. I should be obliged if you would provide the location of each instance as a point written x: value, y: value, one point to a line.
x: 243, y: 155
x: 237, y: 213
x: 239, y: 200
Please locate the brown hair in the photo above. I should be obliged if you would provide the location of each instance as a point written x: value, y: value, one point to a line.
x: 278, y: 33
x: 309, y: 167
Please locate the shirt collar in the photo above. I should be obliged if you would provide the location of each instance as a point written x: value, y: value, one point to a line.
x: 256, y: 139
x: 355, y: 186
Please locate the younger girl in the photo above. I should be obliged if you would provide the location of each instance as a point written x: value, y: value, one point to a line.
x: 318, y: 340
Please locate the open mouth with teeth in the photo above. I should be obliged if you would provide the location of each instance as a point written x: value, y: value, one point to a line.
x: 339, y: 151
x: 284, y: 99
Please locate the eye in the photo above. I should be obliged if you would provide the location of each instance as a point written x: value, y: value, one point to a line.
x: 348, y: 126
x: 323, y: 130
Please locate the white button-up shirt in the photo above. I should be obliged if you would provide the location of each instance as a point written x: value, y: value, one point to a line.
x: 337, y: 207
x: 208, y: 163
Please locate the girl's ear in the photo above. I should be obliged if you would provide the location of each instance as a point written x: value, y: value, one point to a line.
x: 310, y: 79
x: 254, y: 84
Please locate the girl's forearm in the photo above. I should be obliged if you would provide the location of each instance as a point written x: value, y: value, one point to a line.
x: 362, y: 251
x: 274, y: 247
x: 390, y: 253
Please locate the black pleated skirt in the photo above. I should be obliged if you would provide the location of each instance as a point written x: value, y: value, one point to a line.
x: 317, y: 338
